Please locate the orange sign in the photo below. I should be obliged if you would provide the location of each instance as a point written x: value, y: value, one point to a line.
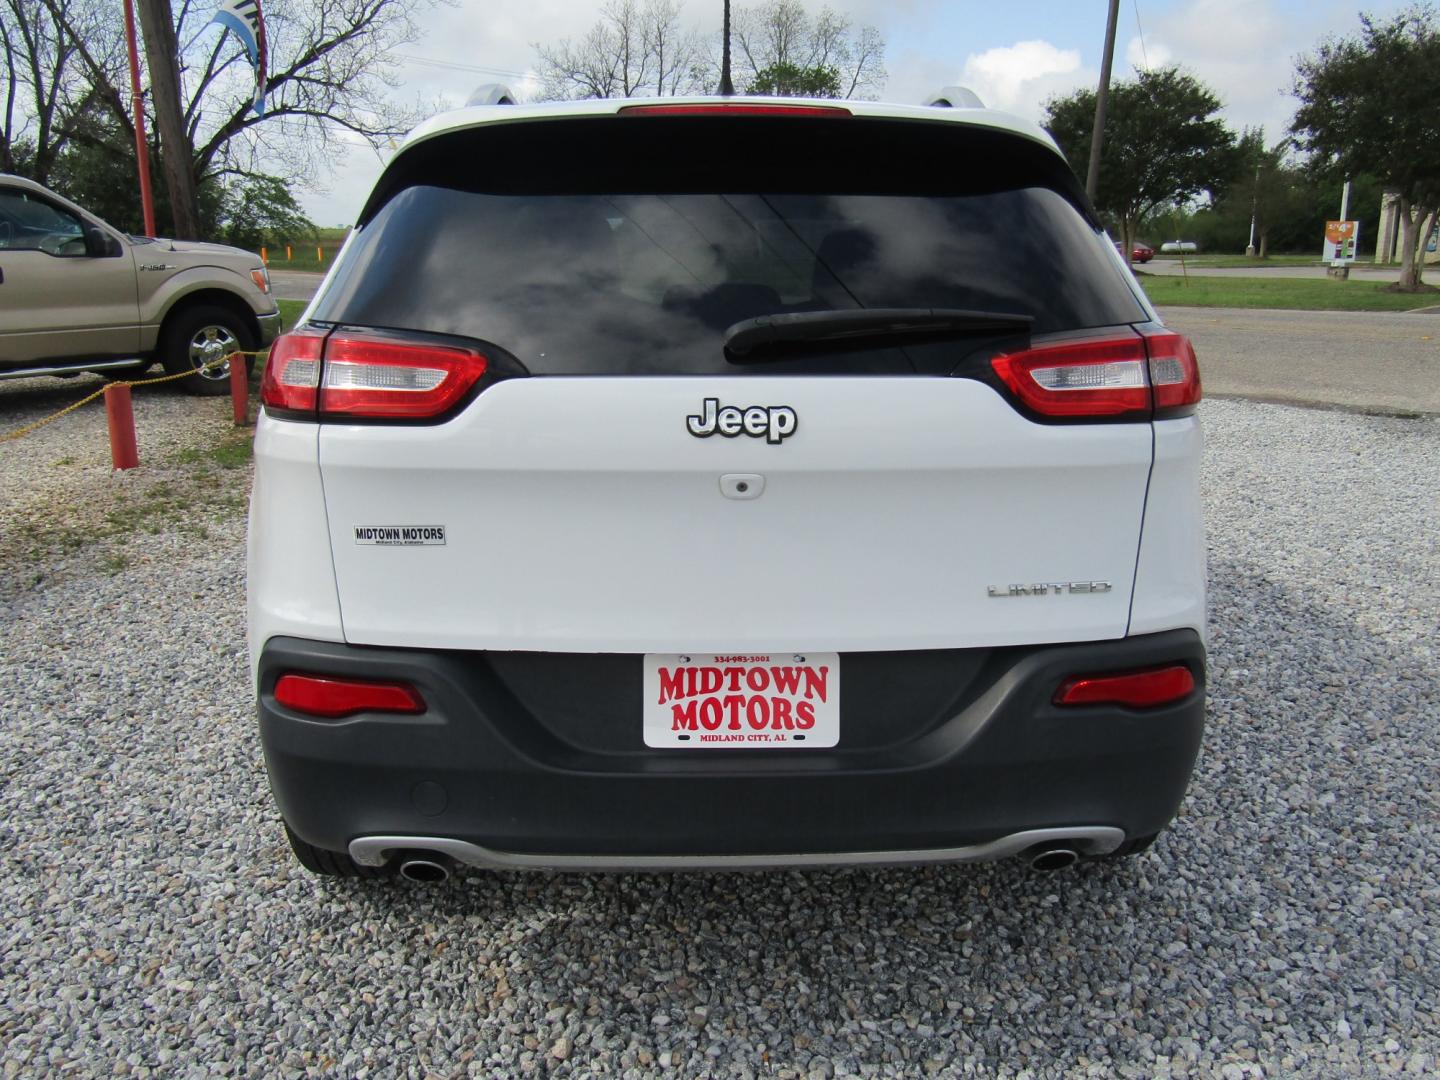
x: 1340, y: 241
x: 1337, y: 232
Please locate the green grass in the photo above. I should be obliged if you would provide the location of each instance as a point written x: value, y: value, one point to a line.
x: 291, y: 310
x: 1303, y: 294
x: 1226, y: 262
x: 230, y: 452
x: 303, y: 253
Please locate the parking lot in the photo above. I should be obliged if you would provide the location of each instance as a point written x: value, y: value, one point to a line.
x: 1289, y: 923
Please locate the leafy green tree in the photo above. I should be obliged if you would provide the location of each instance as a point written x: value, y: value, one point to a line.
x: 1270, y: 188
x: 260, y: 210
x: 1164, y: 144
x: 96, y: 169
x: 791, y: 80
x: 1368, y: 104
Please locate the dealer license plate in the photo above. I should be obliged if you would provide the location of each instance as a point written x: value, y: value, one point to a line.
x: 746, y: 701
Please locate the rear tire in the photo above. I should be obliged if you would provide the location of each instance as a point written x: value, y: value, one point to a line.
x: 195, y: 336
x: 330, y: 863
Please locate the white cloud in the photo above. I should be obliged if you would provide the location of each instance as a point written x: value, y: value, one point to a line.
x: 1143, y: 54
x: 1244, y: 50
x: 1020, y: 78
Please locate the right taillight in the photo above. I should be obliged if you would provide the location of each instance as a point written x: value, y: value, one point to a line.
x: 1135, y: 377
x: 1174, y: 373
x: 349, y: 375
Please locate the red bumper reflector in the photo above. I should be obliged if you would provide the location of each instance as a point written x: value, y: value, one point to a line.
x: 1135, y: 689
x: 330, y: 697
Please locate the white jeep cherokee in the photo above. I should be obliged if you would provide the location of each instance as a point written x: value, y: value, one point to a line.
x: 726, y: 482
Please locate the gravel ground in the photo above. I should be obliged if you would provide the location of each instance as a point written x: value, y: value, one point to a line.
x: 1288, y: 925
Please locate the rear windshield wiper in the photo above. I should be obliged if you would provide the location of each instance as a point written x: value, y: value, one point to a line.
x: 754, y: 341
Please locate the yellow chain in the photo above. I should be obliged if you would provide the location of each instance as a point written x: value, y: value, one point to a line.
x: 11, y: 436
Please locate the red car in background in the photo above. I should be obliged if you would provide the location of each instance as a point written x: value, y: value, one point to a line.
x: 1140, y: 252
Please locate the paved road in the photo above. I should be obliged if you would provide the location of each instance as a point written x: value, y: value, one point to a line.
x: 295, y: 284
x: 1359, y: 272
x: 1387, y: 362
x: 1369, y: 361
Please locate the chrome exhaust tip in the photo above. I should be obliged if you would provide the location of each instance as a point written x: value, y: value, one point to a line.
x: 424, y: 870
x: 1049, y: 859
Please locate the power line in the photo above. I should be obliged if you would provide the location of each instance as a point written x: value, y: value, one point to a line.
x: 453, y: 65
x: 1144, y: 52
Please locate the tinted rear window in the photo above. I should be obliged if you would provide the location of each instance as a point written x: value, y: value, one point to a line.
x: 644, y: 277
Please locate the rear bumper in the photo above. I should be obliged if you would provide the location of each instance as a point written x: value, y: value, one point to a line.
x: 500, y: 776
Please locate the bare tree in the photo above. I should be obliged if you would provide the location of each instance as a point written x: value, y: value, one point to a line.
x: 676, y: 50
x: 37, y: 60
x: 632, y: 51
x: 782, y: 35
x: 330, y: 73
x: 9, y: 57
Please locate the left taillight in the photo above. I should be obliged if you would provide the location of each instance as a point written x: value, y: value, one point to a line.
x: 346, y: 375
x: 384, y: 379
x: 291, y: 384
x: 1130, y: 377
x: 332, y: 697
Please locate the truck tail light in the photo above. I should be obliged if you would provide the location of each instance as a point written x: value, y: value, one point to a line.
x: 345, y: 375
x: 1134, y: 689
x: 1133, y: 377
x: 333, y: 697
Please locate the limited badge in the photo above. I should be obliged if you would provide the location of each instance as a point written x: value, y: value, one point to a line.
x: 400, y: 535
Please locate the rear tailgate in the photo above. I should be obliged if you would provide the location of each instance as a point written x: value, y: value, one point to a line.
x: 581, y: 515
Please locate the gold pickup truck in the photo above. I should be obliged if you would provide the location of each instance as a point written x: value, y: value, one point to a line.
x: 77, y: 295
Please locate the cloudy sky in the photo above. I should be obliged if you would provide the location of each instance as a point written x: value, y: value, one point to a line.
x: 1015, y: 55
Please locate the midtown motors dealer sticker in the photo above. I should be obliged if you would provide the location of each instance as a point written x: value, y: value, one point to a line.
x: 760, y: 701
x: 400, y: 535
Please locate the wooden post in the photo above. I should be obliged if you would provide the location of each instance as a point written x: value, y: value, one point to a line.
x: 120, y: 417
x: 240, y: 390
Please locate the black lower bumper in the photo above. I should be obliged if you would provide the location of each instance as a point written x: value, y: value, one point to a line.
x: 542, y: 753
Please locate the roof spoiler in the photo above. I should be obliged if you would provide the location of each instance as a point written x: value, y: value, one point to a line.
x: 955, y: 97
x: 490, y: 93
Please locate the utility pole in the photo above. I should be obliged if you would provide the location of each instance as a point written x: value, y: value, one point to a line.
x: 727, y: 88
x: 1254, y: 209
x: 158, y: 23
x: 1102, y: 99
x: 142, y: 148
